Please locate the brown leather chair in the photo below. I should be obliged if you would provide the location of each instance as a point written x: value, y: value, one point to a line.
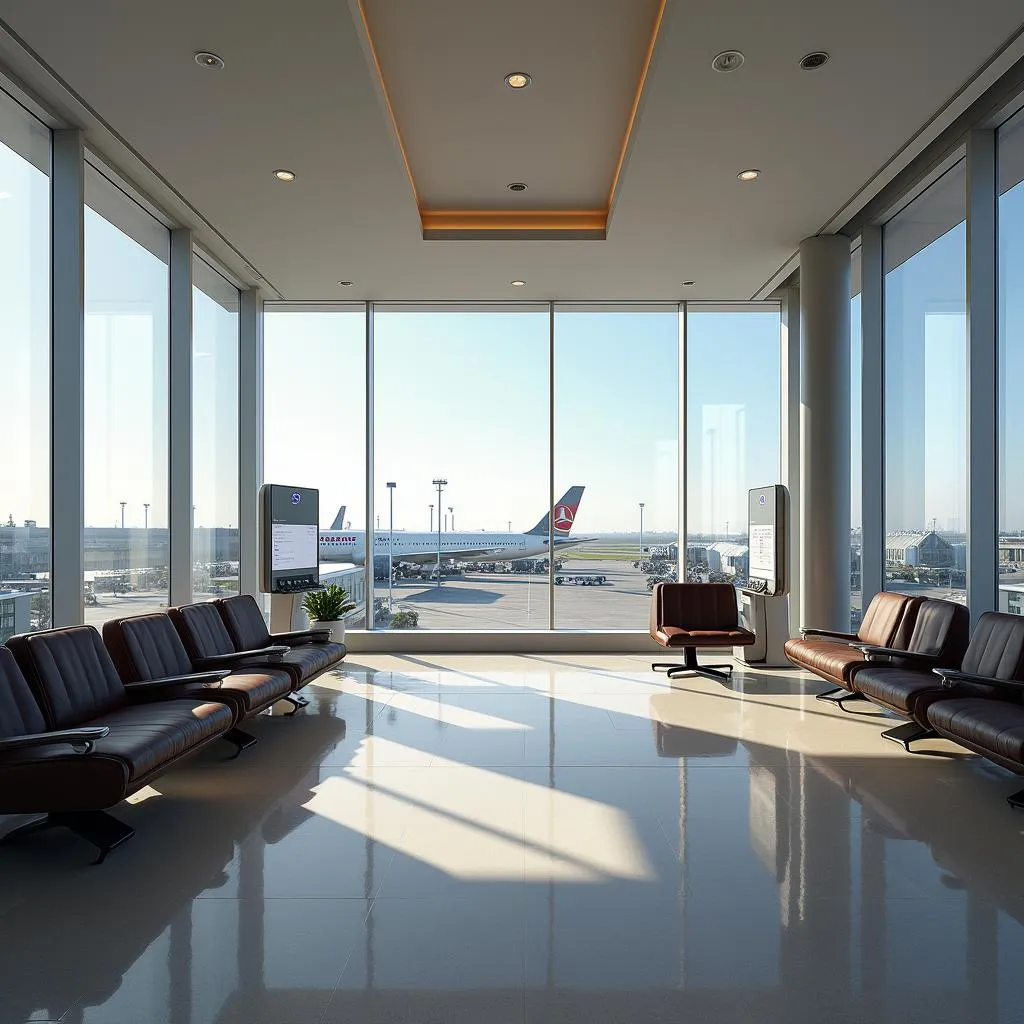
x: 310, y: 650
x: 148, y: 647
x: 898, y: 680
x: 981, y: 704
x: 888, y: 622
x: 77, y: 741
x: 691, y: 615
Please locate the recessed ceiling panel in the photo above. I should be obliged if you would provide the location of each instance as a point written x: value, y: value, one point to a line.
x: 466, y: 134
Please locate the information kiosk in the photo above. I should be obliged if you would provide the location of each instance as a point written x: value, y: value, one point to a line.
x: 290, y: 550
x: 764, y: 605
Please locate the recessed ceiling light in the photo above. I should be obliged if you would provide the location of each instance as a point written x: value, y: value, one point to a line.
x: 814, y: 60
x: 749, y: 175
x: 518, y: 80
x: 208, y: 60
x: 346, y: 284
x: 689, y: 284
x: 728, y: 60
x: 516, y: 186
x: 282, y: 174
x: 517, y: 284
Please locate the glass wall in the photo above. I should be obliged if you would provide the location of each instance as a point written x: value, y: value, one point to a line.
x: 126, y: 405
x: 1011, y: 365
x: 856, y: 409
x: 733, y: 430
x: 925, y: 259
x: 616, y: 400
x: 25, y: 382
x: 214, y: 433
x: 461, y: 396
x: 314, y: 425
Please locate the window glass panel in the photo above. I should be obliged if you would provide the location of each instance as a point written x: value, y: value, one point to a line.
x: 314, y: 425
x: 856, y: 485
x: 616, y: 399
x: 214, y: 434
x: 461, y: 395
x: 925, y: 392
x: 1011, y: 366
x: 25, y: 382
x: 733, y: 424
x: 126, y: 410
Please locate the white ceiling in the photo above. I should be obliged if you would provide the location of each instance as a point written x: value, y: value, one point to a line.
x: 298, y: 92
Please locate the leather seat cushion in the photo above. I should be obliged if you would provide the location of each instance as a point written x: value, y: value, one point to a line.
x: 254, y: 690
x: 673, y: 636
x: 900, y: 689
x: 310, y: 660
x: 148, y: 736
x: 833, y: 660
x: 988, y: 726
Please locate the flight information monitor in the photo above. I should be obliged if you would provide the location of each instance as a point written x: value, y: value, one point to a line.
x: 767, y: 515
x: 291, y: 538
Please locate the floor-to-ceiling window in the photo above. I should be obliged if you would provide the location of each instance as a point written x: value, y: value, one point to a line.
x: 733, y: 430
x: 214, y: 433
x: 856, y: 406
x: 314, y: 424
x: 924, y: 249
x: 25, y: 381
x: 461, y: 431
x: 1011, y: 365
x: 616, y: 402
x: 126, y: 404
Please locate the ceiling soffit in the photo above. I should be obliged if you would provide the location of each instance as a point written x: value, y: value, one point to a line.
x: 464, y: 135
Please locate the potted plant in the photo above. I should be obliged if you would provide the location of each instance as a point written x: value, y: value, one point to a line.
x: 327, y: 608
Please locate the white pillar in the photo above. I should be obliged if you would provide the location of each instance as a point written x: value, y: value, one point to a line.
x: 180, y: 510
x: 825, y: 431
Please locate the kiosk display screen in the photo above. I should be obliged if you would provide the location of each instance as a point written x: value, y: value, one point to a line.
x: 291, y: 535
x: 767, y: 509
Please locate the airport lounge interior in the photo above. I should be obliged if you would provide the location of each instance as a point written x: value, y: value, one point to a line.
x: 512, y: 512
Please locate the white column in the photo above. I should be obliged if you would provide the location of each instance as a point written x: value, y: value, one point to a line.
x: 872, y: 399
x: 790, y: 343
x: 67, y: 369
x: 180, y: 511
x: 250, y: 437
x: 825, y: 431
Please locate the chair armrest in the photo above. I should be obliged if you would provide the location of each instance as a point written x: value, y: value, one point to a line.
x: 262, y: 656
x: 879, y: 653
x: 302, y: 636
x: 951, y: 676
x: 194, y: 680
x: 805, y: 632
x: 80, y: 740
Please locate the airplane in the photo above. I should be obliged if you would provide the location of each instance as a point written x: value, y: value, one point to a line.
x: 350, y: 545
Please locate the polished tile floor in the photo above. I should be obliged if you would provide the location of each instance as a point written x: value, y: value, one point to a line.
x: 445, y: 840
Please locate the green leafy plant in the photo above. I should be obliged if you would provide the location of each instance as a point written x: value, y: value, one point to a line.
x: 327, y: 605
x: 405, y: 618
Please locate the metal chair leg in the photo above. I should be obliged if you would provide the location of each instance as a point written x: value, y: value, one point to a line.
x: 1016, y: 800
x: 831, y: 696
x: 906, y: 733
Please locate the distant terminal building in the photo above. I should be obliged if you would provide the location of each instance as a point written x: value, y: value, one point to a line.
x: 728, y: 558
x: 1011, y: 550
x: 14, y: 612
x: 925, y: 549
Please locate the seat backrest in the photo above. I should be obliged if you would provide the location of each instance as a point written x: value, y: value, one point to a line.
x: 202, y: 630
x: 19, y: 711
x: 889, y: 620
x: 997, y: 647
x: 70, y: 673
x: 941, y: 629
x: 706, y: 606
x: 245, y: 622
x: 146, y: 647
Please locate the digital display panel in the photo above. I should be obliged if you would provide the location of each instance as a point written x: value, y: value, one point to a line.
x: 293, y: 547
x: 290, y: 522
x: 762, y: 551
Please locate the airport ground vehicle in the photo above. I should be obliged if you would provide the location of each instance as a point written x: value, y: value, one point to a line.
x: 581, y: 579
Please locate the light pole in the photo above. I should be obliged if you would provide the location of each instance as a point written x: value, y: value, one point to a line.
x: 145, y: 507
x: 123, y: 503
x: 641, y: 504
x: 431, y: 518
x: 451, y: 512
x: 439, y: 483
x: 391, y: 543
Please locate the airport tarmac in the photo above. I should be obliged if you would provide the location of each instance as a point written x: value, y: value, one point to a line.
x: 520, y: 600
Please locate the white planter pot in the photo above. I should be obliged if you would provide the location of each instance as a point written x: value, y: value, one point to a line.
x: 336, y: 626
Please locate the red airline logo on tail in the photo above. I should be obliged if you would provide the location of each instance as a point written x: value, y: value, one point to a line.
x: 564, y: 515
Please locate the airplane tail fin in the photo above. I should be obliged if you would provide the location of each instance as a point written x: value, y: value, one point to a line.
x: 339, y: 519
x: 565, y: 514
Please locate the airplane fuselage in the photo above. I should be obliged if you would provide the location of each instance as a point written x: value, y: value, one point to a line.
x: 350, y: 546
